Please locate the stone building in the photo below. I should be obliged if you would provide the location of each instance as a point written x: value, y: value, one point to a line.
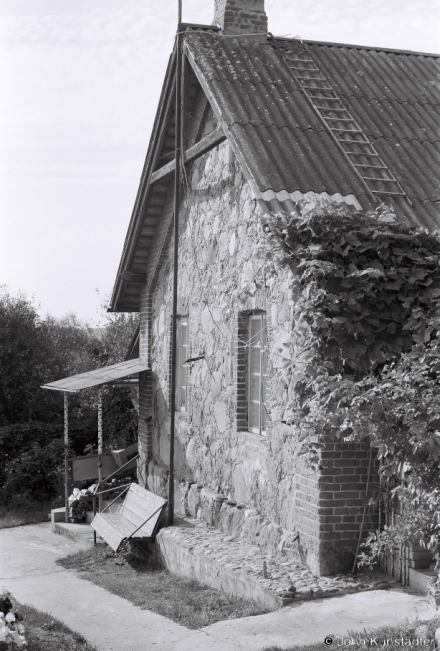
x: 266, y: 120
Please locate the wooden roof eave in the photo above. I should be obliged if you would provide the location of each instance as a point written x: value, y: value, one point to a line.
x: 126, y: 294
x: 144, y: 190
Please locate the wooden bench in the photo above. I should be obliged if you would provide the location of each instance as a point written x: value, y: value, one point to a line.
x: 137, y: 518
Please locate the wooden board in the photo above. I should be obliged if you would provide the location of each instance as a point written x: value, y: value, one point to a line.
x: 144, y: 502
x: 86, y: 468
x: 138, y: 505
x: 103, y: 527
x: 135, y: 521
x: 199, y: 149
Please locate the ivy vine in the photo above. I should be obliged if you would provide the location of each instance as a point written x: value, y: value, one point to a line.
x: 366, y: 318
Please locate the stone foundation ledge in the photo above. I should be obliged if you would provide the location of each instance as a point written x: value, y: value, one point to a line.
x: 193, y: 549
x: 233, y: 518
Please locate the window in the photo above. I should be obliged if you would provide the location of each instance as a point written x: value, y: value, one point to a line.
x: 182, y: 356
x: 256, y: 373
x: 251, y: 372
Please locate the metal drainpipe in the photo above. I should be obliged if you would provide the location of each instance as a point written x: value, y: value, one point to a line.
x: 175, y: 262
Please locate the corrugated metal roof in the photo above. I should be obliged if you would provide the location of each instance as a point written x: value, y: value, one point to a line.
x: 392, y: 119
x: 394, y: 96
x: 98, y: 376
x: 380, y: 75
x: 292, y: 159
x: 286, y: 147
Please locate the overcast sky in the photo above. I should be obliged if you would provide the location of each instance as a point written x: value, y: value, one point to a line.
x: 79, y: 86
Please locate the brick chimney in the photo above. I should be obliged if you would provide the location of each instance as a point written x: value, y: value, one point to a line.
x: 241, y: 16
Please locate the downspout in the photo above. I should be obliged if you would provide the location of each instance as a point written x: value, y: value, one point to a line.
x: 177, y: 146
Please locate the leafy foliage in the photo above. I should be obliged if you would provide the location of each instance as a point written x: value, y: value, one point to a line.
x: 33, y: 463
x: 34, y: 351
x: 417, y: 522
x: 119, y: 414
x: 366, y: 322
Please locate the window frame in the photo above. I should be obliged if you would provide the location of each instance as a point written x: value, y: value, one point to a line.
x: 246, y: 367
x: 182, y: 354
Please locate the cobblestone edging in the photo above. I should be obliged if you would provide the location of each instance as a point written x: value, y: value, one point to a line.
x: 194, y: 549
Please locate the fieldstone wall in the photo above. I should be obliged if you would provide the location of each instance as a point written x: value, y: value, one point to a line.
x: 243, y: 483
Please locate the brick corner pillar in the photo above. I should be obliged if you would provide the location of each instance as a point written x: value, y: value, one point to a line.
x: 145, y: 432
x: 330, y: 505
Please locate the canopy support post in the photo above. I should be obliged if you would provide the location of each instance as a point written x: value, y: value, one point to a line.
x: 66, y: 456
x: 100, y: 446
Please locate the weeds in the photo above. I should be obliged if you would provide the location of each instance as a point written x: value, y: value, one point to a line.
x: 29, y: 513
x: 416, y: 634
x: 185, y: 601
x: 44, y: 633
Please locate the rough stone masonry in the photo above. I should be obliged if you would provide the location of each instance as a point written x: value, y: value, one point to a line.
x: 248, y: 485
x: 244, y: 483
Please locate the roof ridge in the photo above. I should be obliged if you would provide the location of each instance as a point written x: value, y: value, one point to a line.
x: 202, y: 29
x: 358, y: 47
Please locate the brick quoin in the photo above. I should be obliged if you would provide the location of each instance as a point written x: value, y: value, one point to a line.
x: 331, y: 530
x: 145, y: 388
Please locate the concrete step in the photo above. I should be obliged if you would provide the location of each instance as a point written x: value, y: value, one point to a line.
x: 418, y: 573
x: 420, y: 563
x: 418, y: 579
x: 419, y: 555
x: 80, y: 533
x: 59, y: 515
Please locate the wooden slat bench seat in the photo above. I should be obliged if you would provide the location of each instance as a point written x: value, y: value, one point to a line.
x: 138, y: 517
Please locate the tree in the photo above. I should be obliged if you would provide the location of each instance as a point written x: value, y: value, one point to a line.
x: 120, y: 417
x: 23, y: 350
x: 33, y: 352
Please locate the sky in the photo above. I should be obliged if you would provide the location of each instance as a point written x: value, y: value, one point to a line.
x: 79, y: 85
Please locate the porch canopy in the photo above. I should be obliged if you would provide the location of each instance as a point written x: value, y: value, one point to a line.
x: 108, y: 375
x: 104, y: 375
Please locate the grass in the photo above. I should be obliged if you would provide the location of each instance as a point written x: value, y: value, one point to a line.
x: 388, y: 637
x: 30, y: 513
x: 151, y: 587
x: 44, y: 633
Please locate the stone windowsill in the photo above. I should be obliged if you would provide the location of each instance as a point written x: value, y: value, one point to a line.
x: 252, y: 437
